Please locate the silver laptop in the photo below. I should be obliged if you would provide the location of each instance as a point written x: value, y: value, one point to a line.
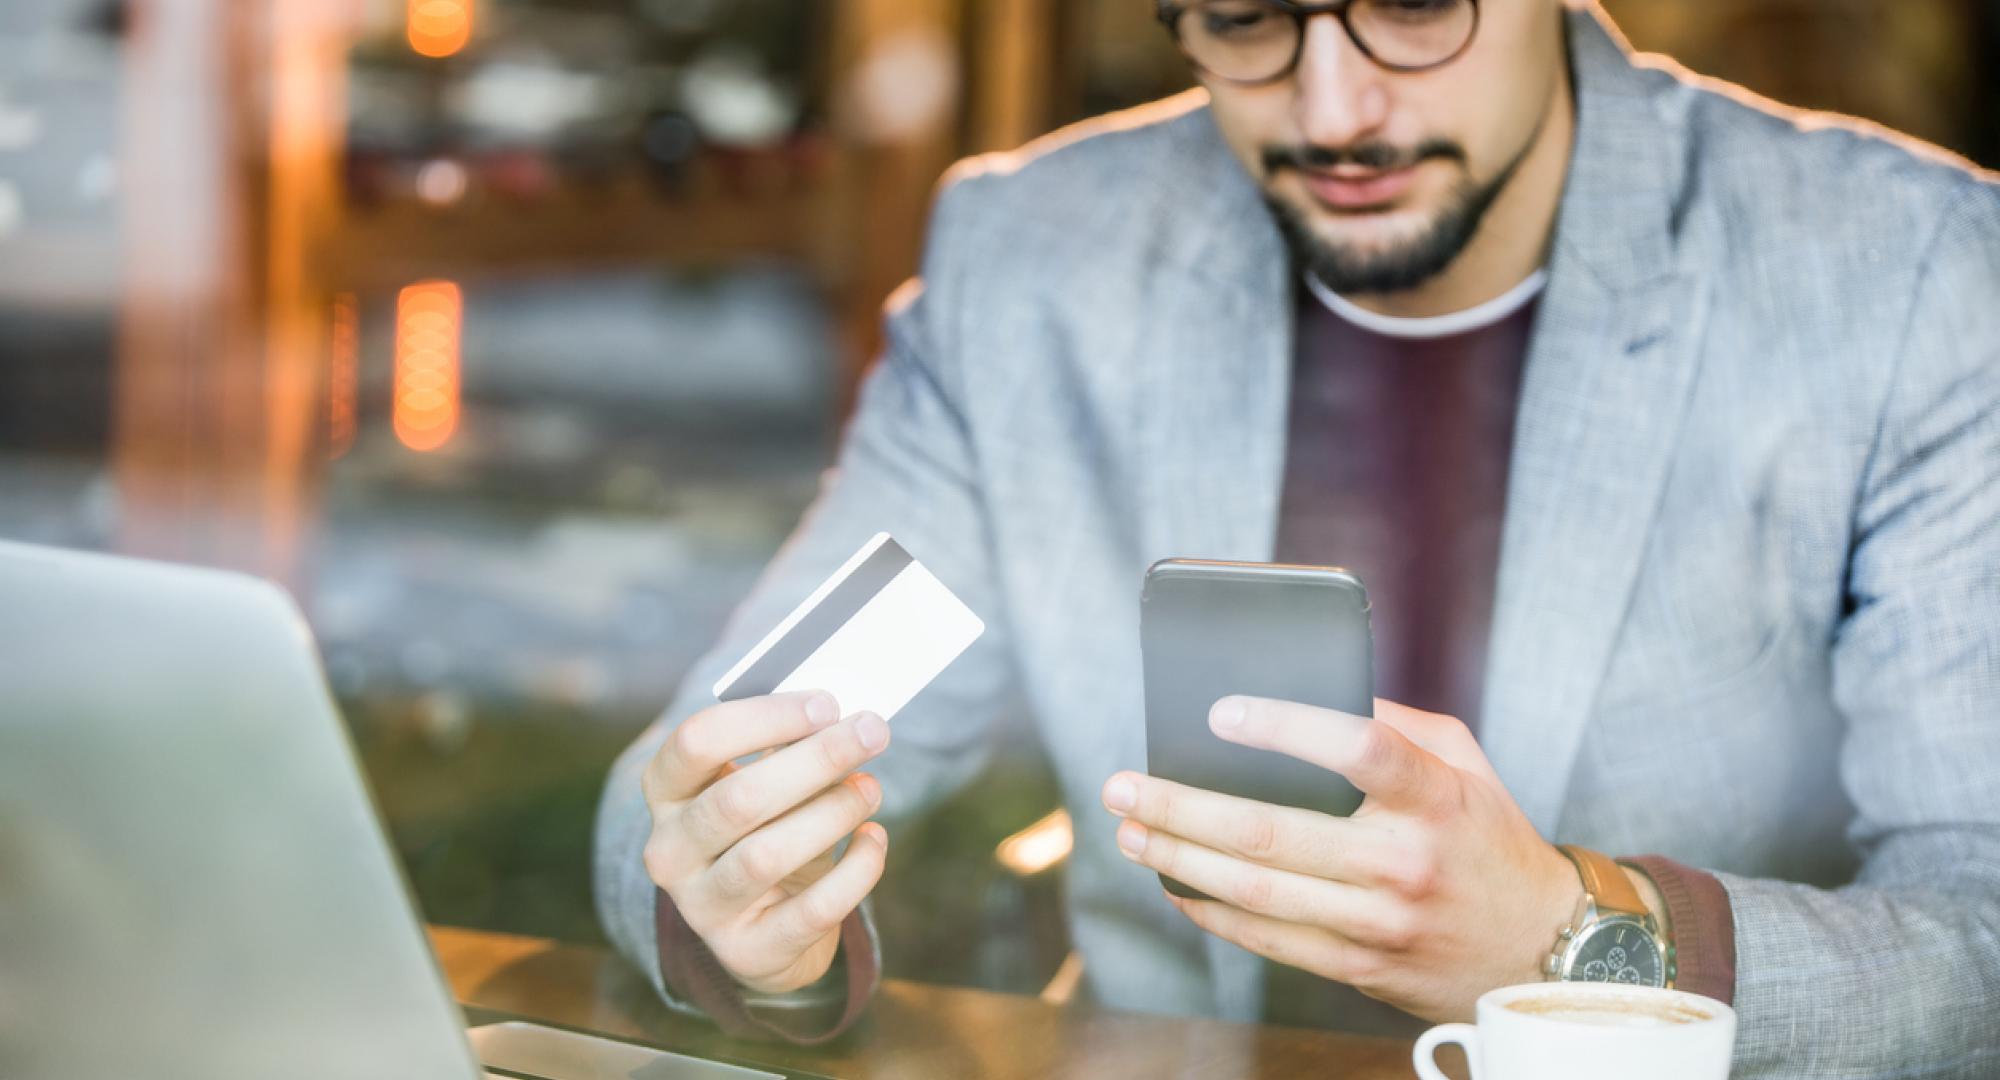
x: 193, y: 882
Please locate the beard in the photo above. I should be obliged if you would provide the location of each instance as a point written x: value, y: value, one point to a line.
x: 1407, y: 262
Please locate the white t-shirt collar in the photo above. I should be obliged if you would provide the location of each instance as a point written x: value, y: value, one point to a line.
x: 1477, y: 317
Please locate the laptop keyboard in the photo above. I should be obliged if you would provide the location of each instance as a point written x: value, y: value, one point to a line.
x: 515, y: 1050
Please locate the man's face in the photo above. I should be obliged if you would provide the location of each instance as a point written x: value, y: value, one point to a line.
x: 1380, y: 179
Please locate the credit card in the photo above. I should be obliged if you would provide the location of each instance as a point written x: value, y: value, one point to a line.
x: 872, y: 635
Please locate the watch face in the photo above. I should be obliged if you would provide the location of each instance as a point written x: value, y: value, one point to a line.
x: 1617, y: 951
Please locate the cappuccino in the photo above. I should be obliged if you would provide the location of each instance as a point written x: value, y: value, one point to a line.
x: 1587, y: 1031
x: 1621, y: 1010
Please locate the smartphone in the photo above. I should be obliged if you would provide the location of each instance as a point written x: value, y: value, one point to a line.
x: 1212, y: 629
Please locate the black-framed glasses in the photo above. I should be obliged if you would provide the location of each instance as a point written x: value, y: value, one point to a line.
x: 1253, y: 42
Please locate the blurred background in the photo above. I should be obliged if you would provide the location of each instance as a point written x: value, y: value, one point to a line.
x: 512, y: 336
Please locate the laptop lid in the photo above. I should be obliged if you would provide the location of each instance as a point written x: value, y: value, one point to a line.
x: 192, y: 879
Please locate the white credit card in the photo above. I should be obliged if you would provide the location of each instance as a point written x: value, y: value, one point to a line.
x: 872, y: 635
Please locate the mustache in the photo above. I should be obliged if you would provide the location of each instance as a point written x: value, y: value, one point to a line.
x: 1379, y: 156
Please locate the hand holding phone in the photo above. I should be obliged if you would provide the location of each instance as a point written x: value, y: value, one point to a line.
x: 1403, y: 897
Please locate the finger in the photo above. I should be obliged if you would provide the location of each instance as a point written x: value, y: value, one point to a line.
x: 818, y: 911
x: 704, y: 744
x: 758, y: 862
x: 1327, y: 955
x: 1443, y: 735
x: 1371, y: 754
x: 1348, y: 910
x: 1284, y: 837
x: 670, y: 860
x: 739, y: 803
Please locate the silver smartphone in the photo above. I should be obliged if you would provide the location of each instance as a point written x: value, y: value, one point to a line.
x: 1212, y: 629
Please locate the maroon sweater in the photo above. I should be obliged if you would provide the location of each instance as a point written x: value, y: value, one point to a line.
x: 1396, y: 469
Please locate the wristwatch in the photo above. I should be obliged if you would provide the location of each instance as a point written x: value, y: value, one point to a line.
x: 1612, y: 937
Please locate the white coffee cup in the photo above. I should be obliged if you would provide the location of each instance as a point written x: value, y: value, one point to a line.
x: 1588, y: 1031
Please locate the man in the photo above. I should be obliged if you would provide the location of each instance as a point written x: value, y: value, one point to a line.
x: 1665, y: 428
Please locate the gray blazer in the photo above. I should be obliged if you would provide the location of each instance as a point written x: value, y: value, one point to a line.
x: 1748, y: 610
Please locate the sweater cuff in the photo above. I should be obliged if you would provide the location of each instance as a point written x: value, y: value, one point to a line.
x: 1702, y: 924
x: 693, y: 973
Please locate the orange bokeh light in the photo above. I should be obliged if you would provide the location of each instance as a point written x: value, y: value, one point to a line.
x: 429, y: 316
x: 439, y: 27
x: 343, y: 374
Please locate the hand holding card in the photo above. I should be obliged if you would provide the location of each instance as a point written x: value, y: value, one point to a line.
x: 746, y: 852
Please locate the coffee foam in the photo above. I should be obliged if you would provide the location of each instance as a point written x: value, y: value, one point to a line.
x: 1629, y: 1011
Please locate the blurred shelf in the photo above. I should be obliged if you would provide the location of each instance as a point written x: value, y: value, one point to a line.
x: 630, y: 218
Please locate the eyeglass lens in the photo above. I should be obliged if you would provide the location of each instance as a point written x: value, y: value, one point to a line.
x: 1256, y: 41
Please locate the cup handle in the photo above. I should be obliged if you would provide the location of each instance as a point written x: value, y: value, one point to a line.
x: 1425, y: 1054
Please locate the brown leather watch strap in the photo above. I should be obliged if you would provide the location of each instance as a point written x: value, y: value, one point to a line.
x: 1606, y: 882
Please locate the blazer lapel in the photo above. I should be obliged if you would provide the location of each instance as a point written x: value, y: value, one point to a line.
x: 1600, y: 407
x: 1213, y: 364
x: 1615, y: 352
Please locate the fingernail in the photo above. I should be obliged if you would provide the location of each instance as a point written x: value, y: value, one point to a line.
x: 872, y: 730
x: 1227, y: 715
x: 820, y: 709
x: 1132, y: 838
x: 869, y: 787
x: 1120, y: 794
